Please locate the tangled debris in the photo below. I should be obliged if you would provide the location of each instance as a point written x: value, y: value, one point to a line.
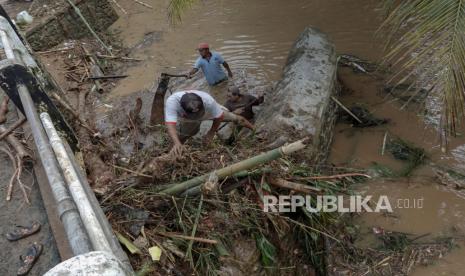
x: 366, y: 117
x: 396, y: 255
x: 406, y: 151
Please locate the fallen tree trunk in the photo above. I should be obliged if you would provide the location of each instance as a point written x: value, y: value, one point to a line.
x: 237, y: 167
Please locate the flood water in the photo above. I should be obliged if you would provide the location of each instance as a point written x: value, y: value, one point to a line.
x: 256, y: 35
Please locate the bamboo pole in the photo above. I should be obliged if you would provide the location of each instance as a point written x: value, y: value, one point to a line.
x: 194, y: 191
x: 237, y: 167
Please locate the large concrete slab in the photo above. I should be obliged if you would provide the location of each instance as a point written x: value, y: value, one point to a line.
x: 301, y: 104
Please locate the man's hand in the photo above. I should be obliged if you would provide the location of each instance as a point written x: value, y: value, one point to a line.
x: 177, y: 150
x: 239, y: 111
x: 208, y: 138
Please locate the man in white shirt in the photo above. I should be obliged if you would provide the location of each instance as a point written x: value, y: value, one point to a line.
x: 185, y: 111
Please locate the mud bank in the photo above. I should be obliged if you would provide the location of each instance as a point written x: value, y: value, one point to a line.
x: 301, y: 102
x: 66, y: 24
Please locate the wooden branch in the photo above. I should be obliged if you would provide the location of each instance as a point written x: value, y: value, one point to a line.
x: 116, y: 57
x: 107, y: 77
x: 18, y: 178
x: 12, y: 128
x: 283, y: 183
x: 335, y: 176
x: 346, y: 109
x: 55, y: 50
x: 16, y: 144
x: 13, y: 177
x: 196, y: 239
x: 131, y: 171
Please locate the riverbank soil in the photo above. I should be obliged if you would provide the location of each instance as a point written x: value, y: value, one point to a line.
x: 17, y: 212
x: 224, y: 231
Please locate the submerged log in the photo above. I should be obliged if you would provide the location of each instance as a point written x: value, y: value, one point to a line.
x: 157, y: 113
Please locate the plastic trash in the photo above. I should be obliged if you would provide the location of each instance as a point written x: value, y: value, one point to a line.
x: 24, y: 18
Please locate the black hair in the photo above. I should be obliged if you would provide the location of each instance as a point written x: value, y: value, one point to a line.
x: 191, y: 103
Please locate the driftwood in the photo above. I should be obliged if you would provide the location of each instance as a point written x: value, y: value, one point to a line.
x: 158, y: 104
x: 102, y: 77
x: 15, y: 143
x: 100, y: 174
x: 189, y: 238
x: 117, y: 57
x: 346, y: 109
x: 12, y: 128
x: 302, y: 188
x: 95, y: 70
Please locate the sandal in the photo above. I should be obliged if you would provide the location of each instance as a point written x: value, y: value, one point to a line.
x: 32, y: 254
x: 23, y: 232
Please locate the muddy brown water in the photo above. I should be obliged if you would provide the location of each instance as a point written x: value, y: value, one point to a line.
x: 256, y: 36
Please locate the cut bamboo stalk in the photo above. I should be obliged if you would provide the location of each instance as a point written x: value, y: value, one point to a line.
x: 283, y: 183
x: 194, y: 191
x: 237, y: 167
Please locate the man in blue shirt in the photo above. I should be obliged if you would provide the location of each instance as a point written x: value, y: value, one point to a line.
x: 210, y: 63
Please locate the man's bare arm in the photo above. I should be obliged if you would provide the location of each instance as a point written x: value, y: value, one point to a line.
x: 226, y: 65
x: 192, y: 72
x: 211, y: 133
x: 177, y: 145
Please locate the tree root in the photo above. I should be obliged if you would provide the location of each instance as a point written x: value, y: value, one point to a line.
x: 16, y: 177
x: 4, y: 110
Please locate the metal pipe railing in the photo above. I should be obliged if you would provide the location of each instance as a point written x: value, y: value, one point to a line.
x: 68, y: 213
x: 88, y: 216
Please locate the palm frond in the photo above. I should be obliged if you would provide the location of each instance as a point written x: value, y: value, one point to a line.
x: 426, y: 40
x: 176, y: 9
